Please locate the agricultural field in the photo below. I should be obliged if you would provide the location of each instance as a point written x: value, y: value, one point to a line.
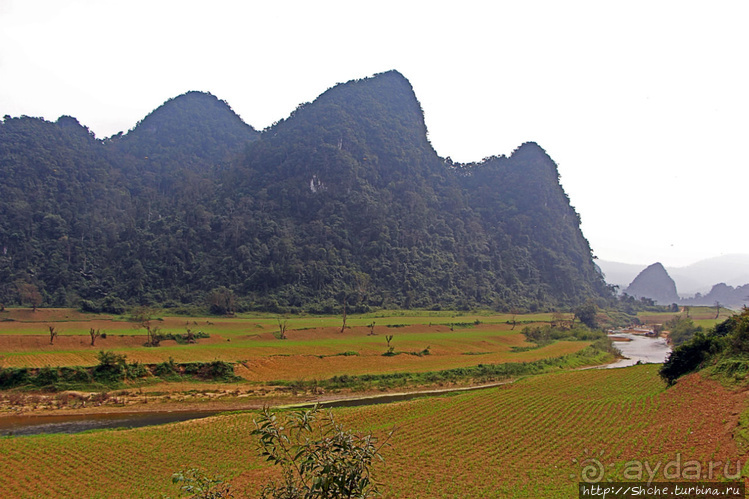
x: 702, y: 316
x: 532, y: 438
x: 313, y: 348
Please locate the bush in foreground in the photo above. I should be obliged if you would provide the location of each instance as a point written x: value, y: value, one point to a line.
x: 319, y: 458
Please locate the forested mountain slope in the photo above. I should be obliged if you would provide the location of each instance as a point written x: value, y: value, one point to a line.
x: 343, y: 201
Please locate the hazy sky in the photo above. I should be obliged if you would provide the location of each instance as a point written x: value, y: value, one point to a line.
x: 644, y: 105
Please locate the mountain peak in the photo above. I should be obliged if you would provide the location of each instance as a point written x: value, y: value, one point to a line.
x: 383, y: 95
x: 655, y: 283
x: 374, y: 122
x: 194, y: 125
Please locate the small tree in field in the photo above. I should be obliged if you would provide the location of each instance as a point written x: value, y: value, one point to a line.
x: 391, y: 349
x: 514, y: 313
x: 142, y: 318
x: 95, y: 333
x: 319, y: 458
x: 282, y: 325
x: 345, y: 302
x: 52, y: 334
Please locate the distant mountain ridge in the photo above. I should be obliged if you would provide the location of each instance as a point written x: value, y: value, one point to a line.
x: 725, y: 295
x: 343, y: 202
x: 719, y: 279
x: 698, y: 277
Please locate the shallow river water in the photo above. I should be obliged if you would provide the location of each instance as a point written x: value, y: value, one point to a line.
x: 640, y: 348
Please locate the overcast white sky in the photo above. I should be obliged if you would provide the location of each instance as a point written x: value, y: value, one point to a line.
x: 644, y: 105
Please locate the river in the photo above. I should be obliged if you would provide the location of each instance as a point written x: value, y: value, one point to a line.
x: 640, y: 348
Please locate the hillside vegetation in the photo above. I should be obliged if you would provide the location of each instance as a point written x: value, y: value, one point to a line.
x: 342, y: 204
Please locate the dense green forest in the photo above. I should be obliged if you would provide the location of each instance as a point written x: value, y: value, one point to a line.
x: 343, y: 202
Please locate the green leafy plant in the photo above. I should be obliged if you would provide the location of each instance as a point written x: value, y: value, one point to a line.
x: 319, y: 458
x: 201, y: 485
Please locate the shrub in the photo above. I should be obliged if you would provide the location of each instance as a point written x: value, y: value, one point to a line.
x: 681, y: 330
x: 89, y: 306
x: 12, y: 377
x: 111, y: 368
x: 75, y: 375
x: 690, y: 356
x: 46, y: 376
x: 168, y: 368
x: 319, y: 458
x: 201, y: 485
x: 136, y: 370
x: 217, y: 369
x: 113, y: 305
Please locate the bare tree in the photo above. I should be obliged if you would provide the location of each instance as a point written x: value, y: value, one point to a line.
x: 52, y: 334
x: 717, y: 309
x: 391, y: 349
x: 514, y: 313
x: 371, y: 329
x: 95, y: 333
x: 345, y: 300
x: 282, y: 325
x: 142, y: 318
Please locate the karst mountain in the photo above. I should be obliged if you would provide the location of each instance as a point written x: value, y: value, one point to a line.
x: 344, y: 201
